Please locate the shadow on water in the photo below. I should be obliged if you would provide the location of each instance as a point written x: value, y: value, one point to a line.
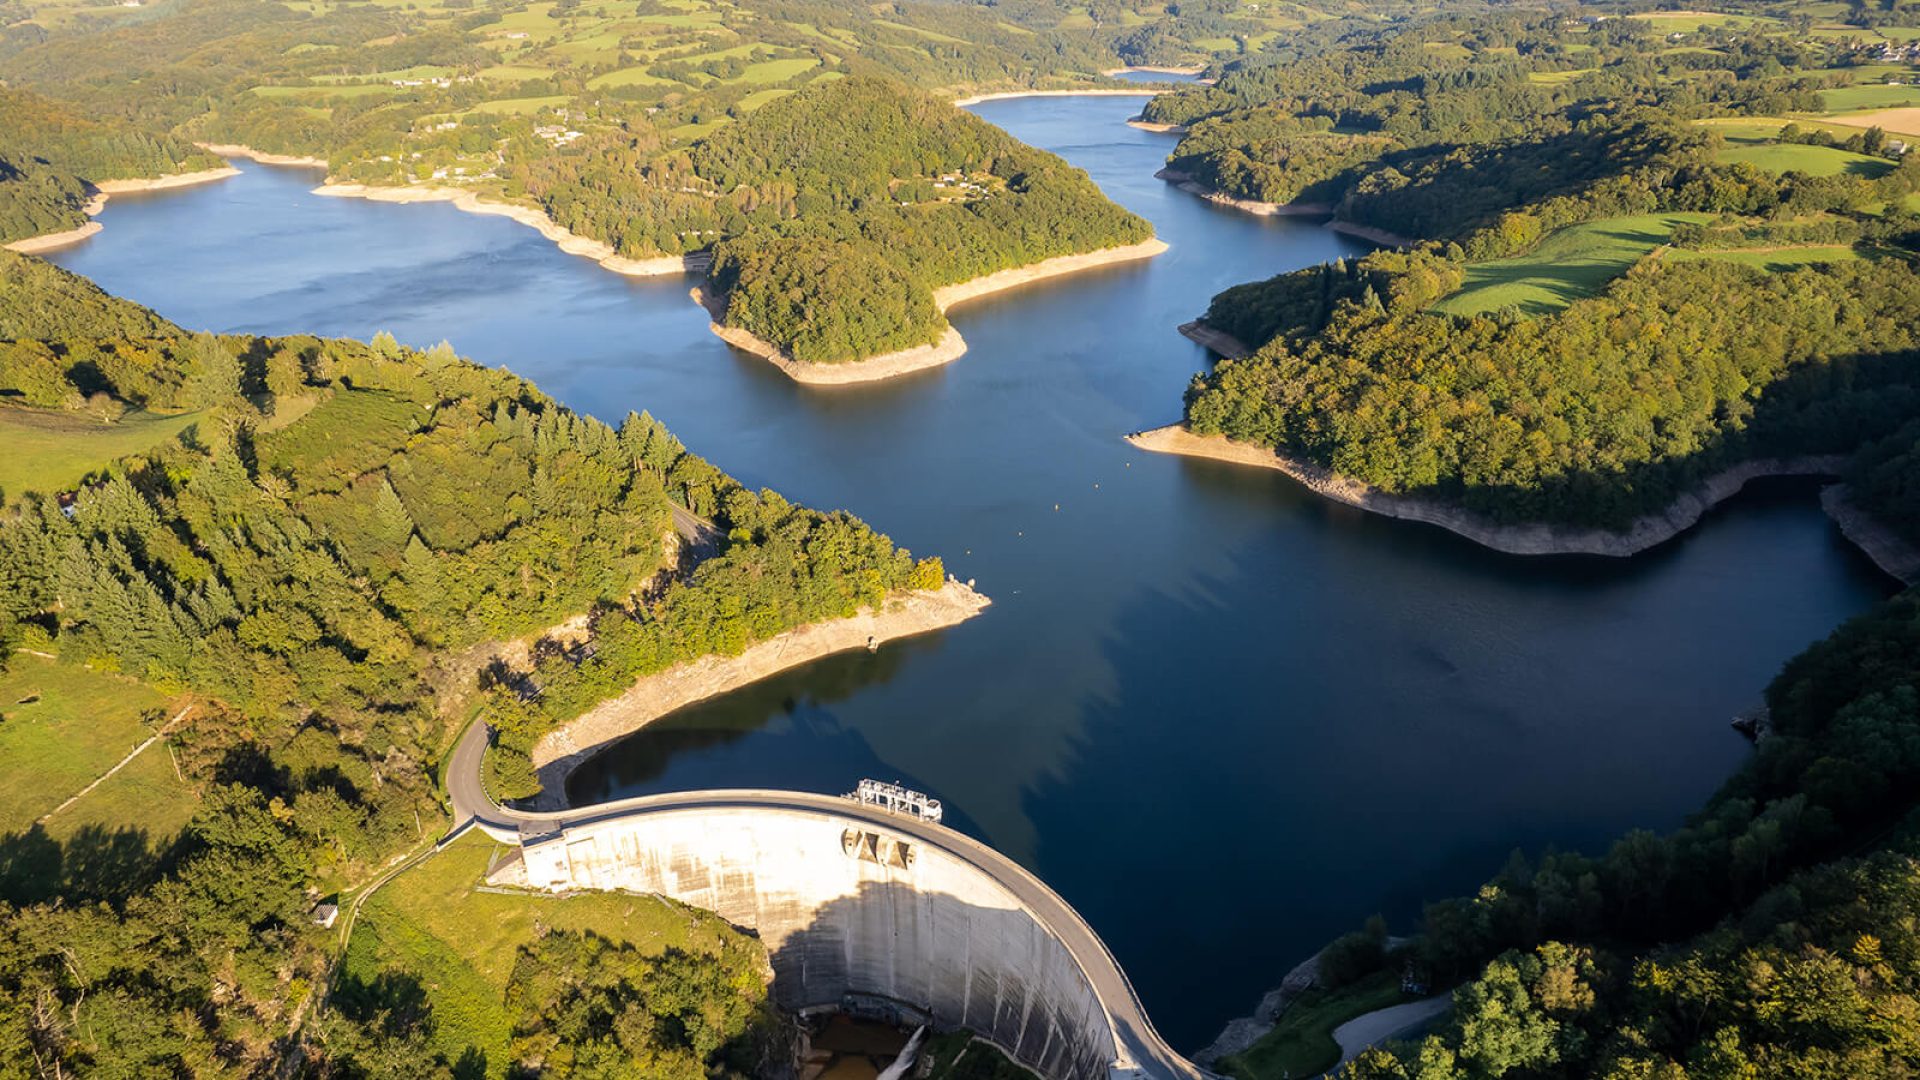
x: 811, y: 747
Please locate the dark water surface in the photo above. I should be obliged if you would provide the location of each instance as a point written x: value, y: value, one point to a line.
x: 1225, y: 719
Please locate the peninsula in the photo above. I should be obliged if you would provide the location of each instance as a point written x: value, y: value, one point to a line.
x: 950, y: 346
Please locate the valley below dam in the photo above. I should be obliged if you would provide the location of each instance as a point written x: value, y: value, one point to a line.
x: 1225, y: 719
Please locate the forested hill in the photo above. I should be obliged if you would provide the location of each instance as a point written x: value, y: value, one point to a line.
x: 318, y: 545
x: 41, y: 301
x: 49, y: 152
x: 833, y: 212
x: 856, y: 199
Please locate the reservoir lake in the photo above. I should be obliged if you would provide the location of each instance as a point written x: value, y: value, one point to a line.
x: 1226, y: 719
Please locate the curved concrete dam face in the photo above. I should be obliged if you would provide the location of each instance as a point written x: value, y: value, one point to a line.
x: 855, y: 916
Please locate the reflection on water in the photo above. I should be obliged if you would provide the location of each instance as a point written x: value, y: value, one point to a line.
x: 1225, y: 719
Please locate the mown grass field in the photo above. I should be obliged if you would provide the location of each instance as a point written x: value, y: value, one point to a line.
x: 1301, y: 1044
x: 1871, y: 96
x: 1774, y: 261
x: 1572, y: 263
x: 50, y: 450
x: 66, y: 725
x: 1669, y: 22
x: 1812, y: 160
x: 434, y: 921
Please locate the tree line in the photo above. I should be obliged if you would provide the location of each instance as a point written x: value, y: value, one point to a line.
x: 342, y: 522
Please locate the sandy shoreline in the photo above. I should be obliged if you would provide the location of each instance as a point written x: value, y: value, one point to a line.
x: 559, y: 752
x: 1536, y: 539
x: 951, y: 345
x: 106, y: 189
x: 1219, y: 341
x: 1157, y: 129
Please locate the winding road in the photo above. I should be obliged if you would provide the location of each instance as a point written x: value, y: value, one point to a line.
x: 1140, y: 1050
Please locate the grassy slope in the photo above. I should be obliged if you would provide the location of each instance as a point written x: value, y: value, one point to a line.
x: 80, y: 725
x: 1572, y: 263
x: 1301, y: 1044
x: 461, y: 943
x: 46, y: 450
x: 1812, y: 160
x: 1858, y: 98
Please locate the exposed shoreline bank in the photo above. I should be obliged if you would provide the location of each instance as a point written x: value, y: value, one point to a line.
x: 951, y: 345
x: 560, y: 752
x: 1157, y: 129
x: 1646, y: 532
x: 1372, y: 235
x: 1185, y: 182
x: 470, y: 201
x: 1219, y: 341
x: 1890, y: 551
x: 949, y: 348
x: 1188, y: 184
x: 1005, y: 95
x: 106, y: 189
x: 239, y: 150
x: 1154, y: 69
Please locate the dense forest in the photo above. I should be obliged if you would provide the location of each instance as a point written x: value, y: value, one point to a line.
x: 310, y: 559
x: 1349, y: 118
x: 1596, y: 415
x: 834, y: 212
x: 49, y: 152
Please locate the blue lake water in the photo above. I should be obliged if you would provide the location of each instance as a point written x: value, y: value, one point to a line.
x: 1225, y: 719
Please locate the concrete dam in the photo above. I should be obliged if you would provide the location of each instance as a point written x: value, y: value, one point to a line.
x: 861, y: 909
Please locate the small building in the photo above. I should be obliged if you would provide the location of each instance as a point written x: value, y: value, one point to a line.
x: 323, y: 915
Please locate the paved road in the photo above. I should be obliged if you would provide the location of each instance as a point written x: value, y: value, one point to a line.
x: 1141, y: 1047
x: 1394, y: 1022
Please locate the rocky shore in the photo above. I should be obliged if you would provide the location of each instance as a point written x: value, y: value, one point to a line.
x: 563, y: 750
x: 1890, y: 551
x: 1219, y: 341
x: 1371, y: 234
x: 1185, y: 182
x: 1532, y: 539
x: 921, y: 357
x: 106, y: 189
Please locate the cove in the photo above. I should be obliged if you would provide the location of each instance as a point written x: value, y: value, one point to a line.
x: 1226, y: 720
